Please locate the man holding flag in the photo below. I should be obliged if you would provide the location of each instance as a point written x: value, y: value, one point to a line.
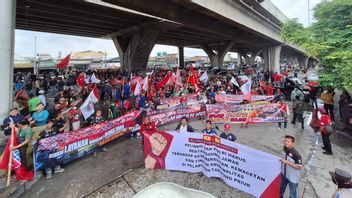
x: 18, y: 142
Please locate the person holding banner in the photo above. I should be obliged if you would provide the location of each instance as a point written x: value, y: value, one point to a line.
x: 24, y: 135
x: 227, y: 133
x: 147, y: 125
x: 209, y: 129
x: 184, y: 126
x: 291, y: 167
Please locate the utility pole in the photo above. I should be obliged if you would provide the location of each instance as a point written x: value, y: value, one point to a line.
x: 35, y: 66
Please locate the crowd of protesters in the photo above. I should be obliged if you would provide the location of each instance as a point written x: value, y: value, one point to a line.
x: 50, y: 102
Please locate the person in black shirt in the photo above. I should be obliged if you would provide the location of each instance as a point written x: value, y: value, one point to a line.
x: 54, y: 112
x: 98, y: 118
x: 291, y: 167
x: 49, y: 130
x: 60, y: 124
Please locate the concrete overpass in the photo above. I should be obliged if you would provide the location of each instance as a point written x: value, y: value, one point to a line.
x: 249, y: 27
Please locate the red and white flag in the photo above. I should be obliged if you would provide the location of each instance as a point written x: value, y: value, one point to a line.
x: 234, y: 81
x: 172, y: 80
x: 64, y: 62
x: 204, y: 77
x: 145, y: 84
x: 87, y: 108
x: 246, y: 87
x: 92, y: 79
x: 178, y: 78
x: 137, y: 89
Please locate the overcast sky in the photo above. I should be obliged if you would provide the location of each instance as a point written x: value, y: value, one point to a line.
x: 53, y: 43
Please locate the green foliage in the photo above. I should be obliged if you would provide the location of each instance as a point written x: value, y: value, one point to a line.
x: 329, y: 39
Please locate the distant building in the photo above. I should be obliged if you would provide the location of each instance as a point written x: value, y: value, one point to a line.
x: 89, y: 55
x: 171, y: 59
x: 22, y: 63
x: 200, y: 59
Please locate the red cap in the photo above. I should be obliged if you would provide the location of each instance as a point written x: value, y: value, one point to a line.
x: 227, y: 126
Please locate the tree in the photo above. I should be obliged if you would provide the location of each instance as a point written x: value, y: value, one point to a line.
x: 329, y: 39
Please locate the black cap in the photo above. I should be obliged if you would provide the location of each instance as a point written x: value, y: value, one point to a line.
x: 341, y: 178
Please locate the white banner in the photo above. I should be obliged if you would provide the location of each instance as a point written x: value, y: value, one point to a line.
x: 239, y: 166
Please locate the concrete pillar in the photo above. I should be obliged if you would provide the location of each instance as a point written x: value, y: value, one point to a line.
x: 302, y: 60
x: 266, y: 58
x: 239, y: 57
x: 7, y: 40
x: 217, y: 56
x: 181, y: 57
x: 274, y: 59
x: 134, y: 48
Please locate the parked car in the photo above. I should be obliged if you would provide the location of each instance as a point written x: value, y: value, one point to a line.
x: 290, y: 84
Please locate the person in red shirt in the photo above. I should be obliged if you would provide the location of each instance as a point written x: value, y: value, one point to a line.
x: 147, y: 125
x: 254, y: 91
x: 325, y: 120
x: 270, y: 90
x: 80, y: 80
x: 283, y: 113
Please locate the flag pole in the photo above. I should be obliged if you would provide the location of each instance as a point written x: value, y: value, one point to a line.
x: 10, y: 159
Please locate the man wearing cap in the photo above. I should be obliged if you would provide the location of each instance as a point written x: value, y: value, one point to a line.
x: 227, y: 133
x: 291, y: 167
x: 344, y: 184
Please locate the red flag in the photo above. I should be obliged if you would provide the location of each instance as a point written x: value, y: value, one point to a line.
x: 163, y: 81
x: 64, y: 62
x: 178, y: 78
x: 21, y: 172
x: 5, y: 158
x: 171, y: 80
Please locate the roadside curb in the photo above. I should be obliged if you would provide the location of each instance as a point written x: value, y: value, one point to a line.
x: 21, y: 188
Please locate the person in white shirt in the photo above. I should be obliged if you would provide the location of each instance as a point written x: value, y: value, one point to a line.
x: 184, y: 126
x: 42, y: 97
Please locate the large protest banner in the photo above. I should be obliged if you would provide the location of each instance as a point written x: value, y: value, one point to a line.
x: 173, y: 114
x: 241, y: 167
x: 245, y: 113
x: 228, y: 98
x: 68, y: 146
x: 175, y: 101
